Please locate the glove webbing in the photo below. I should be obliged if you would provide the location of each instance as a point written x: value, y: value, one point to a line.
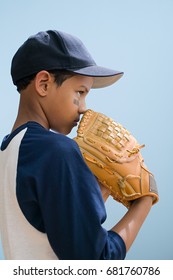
x: 112, y: 132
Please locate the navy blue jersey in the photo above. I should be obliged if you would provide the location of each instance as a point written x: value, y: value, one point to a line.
x: 59, y: 196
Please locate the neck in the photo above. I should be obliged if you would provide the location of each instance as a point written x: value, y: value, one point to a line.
x: 29, y: 111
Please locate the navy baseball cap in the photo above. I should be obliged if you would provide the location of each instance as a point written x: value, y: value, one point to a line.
x: 56, y: 50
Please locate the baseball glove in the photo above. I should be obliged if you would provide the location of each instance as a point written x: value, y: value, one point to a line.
x: 113, y: 155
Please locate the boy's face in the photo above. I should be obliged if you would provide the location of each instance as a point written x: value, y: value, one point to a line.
x: 65, y: 103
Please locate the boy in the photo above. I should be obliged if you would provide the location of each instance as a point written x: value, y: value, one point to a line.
x: 51, y: 205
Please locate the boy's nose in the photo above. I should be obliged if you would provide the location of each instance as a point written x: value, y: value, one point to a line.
x: 82, y: 107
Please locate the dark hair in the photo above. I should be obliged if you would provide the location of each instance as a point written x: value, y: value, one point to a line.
x: 59, y: 75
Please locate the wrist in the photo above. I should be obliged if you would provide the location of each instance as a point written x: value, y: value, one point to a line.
x: 144, y: 200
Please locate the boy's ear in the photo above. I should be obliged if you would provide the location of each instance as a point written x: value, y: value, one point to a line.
x: 42, y: 82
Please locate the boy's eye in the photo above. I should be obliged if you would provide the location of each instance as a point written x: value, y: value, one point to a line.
x: 80, y: 92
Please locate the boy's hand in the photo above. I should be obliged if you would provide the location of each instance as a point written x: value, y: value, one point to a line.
x: 114, y: 157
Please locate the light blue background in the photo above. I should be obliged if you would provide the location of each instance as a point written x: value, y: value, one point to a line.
x: 133, y: 36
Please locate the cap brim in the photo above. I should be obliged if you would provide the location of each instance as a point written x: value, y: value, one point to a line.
x: 101, y: 82
x: 103, y: 77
